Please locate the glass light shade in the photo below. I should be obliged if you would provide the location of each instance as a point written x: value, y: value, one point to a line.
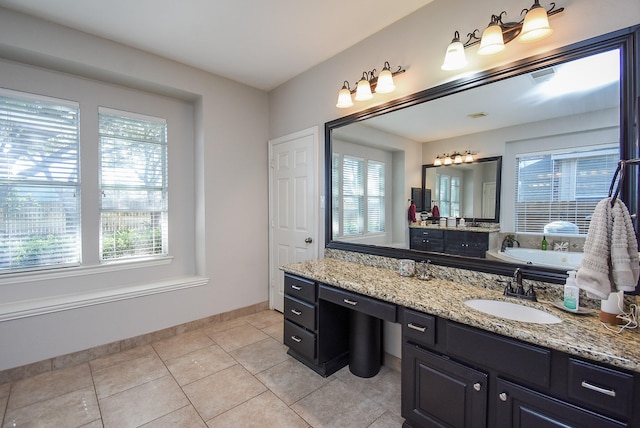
x: 437, y: 162
x: 363, y: 90
x: 457, y: 159
x: 455, y: 58
x: 536, y: 25
x: 447, y: 160
x: 344, y: 98
x: 492, y: 41
x: 468, y: 157
x: 385, y: 82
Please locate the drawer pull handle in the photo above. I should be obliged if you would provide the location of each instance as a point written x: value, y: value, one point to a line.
x: 609, y: 392
x: 503, y: 396
x: 296, y: 287
x: 296, y: 312
x: 416, y: 327
x: 350, y: 302
x: 477, y: 386
x: 296, y: 339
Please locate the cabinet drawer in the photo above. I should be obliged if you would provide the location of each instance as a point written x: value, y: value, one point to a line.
x: 358, y: 302
x: 514, y: 359
x: 300, y: 312
x: 427, y: 233
x: 299, y: 340
x: 601, y: 388
x: 419, y: 328
x: 301, y: 288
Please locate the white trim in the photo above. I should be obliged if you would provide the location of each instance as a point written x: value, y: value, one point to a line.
x: 36, y: 307
x: 69, y: 272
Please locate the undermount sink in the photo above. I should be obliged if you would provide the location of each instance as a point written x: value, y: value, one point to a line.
x: 512, y: 311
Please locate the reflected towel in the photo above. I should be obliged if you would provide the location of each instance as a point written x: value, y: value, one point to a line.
x: 412, y: 213
x: 435, y: 211
x: 610, y: 259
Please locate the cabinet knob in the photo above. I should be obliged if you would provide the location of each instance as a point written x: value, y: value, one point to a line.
x: 503, y: 396
x: 477, y: 386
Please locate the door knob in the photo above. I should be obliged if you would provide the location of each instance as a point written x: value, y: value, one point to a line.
x: 309, y: 240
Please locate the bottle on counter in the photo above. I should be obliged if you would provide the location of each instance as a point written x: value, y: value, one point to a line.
x: 571, y: 293
x: 543, y: 246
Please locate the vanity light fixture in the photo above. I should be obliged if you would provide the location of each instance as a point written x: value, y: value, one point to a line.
x: 367, y: 85
x: 454, y: 158
x: 533, y: 27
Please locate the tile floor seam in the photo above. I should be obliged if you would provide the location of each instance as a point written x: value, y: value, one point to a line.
x: 95, y: 391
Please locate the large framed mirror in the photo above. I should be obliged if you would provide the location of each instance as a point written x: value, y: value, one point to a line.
x: 493, y: 115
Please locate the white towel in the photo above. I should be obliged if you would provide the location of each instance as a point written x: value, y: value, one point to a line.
x: 610, y: 259
x: 624, y: 249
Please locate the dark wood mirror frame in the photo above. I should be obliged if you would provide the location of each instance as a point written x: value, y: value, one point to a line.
x: 627, y: 40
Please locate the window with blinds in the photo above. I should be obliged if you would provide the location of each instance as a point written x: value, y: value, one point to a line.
x: 447, y: 195
x: 133, y: 185
x: 358, y: 198
x: 375, y: 196
x: 562, y: 186
x: 39, y: 182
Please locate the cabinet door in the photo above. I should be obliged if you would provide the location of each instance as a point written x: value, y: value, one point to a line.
x: 438, y: 392
x: 520, y: 407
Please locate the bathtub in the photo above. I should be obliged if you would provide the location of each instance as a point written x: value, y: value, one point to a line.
x: 564, y: 260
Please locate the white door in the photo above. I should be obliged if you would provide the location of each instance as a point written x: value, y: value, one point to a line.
x: 489, y: 199
x: 293, y: 210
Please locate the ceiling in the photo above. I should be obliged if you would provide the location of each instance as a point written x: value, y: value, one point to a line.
x: 256, y: 42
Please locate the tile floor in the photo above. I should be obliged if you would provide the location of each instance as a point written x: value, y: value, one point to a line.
x: 229, y: 374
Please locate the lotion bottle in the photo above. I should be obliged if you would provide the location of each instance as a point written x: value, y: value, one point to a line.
x: 543, y: 245
x: 571, y: 293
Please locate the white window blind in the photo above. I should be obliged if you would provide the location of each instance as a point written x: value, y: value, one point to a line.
x: 447, y: 195
x: 562, y: 186
x: 375, y: 196
x: 352, y: 196
x: 39, y: 182
x: 133, y: 185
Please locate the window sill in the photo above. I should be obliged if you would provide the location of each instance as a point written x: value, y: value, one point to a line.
x: 32, y: 308
x: 69, y: 272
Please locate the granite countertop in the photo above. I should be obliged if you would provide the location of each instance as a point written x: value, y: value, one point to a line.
x: 581, y: 335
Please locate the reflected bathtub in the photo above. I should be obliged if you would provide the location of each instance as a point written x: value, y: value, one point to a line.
x: 564, y: 260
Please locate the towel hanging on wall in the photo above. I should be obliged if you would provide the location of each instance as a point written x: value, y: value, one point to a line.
x: 412, y: 213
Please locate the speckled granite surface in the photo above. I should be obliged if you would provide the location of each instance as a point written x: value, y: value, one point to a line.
x: 481, y: 228
x: 581, y: 335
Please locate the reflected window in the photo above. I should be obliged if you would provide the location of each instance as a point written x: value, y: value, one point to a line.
x: 448, y: 195
x: 358, y: 196
x: 562, y: 186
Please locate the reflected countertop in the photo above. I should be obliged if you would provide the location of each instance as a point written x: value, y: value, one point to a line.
x: 436, y: 226
x: 581, y: 335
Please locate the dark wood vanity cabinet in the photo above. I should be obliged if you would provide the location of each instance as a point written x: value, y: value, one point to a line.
x: 455, y: 242
x: 454, y: 375
x: 305, y: 315
x: 426, y: 239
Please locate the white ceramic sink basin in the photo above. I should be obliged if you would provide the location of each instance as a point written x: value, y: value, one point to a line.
x: 512, y: 311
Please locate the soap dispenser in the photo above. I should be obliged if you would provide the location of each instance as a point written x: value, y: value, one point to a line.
x: 571, y: 293
x: 543, y: 245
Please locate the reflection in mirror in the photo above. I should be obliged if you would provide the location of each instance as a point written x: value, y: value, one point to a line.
x: 555, y: 122
x: 467, y: 190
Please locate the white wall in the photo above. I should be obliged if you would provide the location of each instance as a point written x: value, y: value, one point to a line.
x: 227, y: 167
x: 418, y: 42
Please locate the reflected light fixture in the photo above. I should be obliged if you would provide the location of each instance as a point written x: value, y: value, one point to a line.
x: 533, y: 27
x: 454, y: 158
x: 368, y: 84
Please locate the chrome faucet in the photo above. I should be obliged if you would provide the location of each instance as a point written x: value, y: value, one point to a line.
x: 519, y: 291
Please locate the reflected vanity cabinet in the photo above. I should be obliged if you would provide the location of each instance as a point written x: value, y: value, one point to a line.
x: 454, y: 242
x: 454, y: 375
x: 304, y: 317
